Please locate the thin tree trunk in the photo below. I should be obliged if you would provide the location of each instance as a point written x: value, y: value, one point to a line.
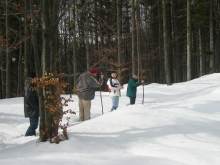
x: 43, y: 114
x: 87, y: 42
x: 201, y: 71
x: 138, y: 37
x: 160, y: 43
x: 74, y: 44
x: 189, y: 73
x: 133, y: 38
x: 173, y: 41
x: 25, y: 41
x: 8, y: 55
x: 19, y: 72
x: 165, y: 43
x: 119, y: 37
x: 2, y: 75
x: 211, y: 35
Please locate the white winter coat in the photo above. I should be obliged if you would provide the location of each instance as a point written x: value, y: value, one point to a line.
x: 115, y: 89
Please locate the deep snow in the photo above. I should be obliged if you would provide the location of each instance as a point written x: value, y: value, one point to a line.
x: 177, y: 125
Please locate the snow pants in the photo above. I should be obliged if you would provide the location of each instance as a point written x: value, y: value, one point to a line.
x: 84, y: 109
x: 132, y: 100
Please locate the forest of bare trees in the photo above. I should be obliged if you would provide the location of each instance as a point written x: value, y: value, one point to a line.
x: 163, y: 41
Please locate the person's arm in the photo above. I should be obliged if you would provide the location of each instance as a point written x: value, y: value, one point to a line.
x: 133, y: 83
x: 93, y: 83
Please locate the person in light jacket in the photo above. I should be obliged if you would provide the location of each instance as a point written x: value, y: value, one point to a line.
x: 86, y: 87
x: 114, y: 87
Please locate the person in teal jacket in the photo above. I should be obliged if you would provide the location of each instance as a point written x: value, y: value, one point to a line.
x: 132, y: 88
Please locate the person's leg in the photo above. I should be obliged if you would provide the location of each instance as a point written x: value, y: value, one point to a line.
x: 115, y: 102
x: 33, y: 126
x: 132, y: 100
x: 81, y: 110
x: 87, y: 107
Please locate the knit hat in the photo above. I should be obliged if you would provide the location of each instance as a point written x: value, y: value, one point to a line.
x: 134, y: 76
x: 93, y: 71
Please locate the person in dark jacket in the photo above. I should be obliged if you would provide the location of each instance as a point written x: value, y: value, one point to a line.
x: 31, y: 107
x: 132, y: 88
x: 86, y: 87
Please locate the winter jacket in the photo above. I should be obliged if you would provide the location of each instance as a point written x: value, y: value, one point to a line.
x: 31, y: 102
x: 86, y: 86
x: 132, y: 87
x: 114, y: 86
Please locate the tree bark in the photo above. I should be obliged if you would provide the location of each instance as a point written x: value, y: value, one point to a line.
x: 8, y: 55
x: 138, y: 38
x: 189, y: 72
x: 133, y: 61
x: 165, y: 44
x: 119, y: 37
x: 201, y: 67
x: 211, y: 37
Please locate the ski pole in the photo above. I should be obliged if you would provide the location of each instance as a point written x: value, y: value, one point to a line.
x: 143, y: 95
x: 101, y: 101
x: 102, y: 76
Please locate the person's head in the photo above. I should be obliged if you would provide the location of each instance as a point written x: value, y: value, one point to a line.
x: 114, y: 75
x: 32, y: 74
x: 134, y: 76
x: 93, y: 71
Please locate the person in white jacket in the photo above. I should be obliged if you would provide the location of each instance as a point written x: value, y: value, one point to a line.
x: 114, y: 87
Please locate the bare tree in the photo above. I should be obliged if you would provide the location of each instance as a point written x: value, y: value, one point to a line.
x: 165, y: 43
x: 189, y: 72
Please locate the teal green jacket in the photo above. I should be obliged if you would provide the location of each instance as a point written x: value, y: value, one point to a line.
x: 132, y: 87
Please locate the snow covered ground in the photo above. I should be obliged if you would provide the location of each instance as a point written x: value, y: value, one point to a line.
x: 177, y: 125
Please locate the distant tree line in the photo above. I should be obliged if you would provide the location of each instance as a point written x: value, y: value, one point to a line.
x: 163, y: 41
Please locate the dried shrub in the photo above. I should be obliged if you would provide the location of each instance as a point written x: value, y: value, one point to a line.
x: 53, y: 86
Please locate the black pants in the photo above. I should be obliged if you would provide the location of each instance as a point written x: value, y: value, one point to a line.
x: 132, y: 100
x: 33, y: 126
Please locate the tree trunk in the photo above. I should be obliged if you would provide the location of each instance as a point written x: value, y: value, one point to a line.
x: 189, y: 73
x: 74, y: 44
x: 25, y: 41
x: 138, y: 37
x: 119, y: 37
x: 173, y: 41
x: 133, y: 61
x: 211, y: 37
x: 201, y: 70
x: 8, y: 55
x: 165, y: 43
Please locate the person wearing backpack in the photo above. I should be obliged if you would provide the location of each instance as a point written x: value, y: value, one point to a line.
x: 86, y: 86
x: 114, y: 87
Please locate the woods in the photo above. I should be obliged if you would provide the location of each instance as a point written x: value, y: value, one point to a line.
x: 163, y: 41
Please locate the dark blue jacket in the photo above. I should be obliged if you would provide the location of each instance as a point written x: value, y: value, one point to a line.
x: 31, y: 102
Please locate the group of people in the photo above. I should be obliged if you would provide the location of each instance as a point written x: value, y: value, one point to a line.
x: 86, y: 86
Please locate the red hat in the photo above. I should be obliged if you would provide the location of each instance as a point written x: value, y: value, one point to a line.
x: 93, y: 71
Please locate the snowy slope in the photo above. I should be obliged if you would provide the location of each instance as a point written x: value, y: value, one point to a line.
x: 177, y: 125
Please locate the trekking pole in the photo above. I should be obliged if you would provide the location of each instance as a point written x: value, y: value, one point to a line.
x: 100, y: 92
x: 143, y: 95
x: 101, y: 100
